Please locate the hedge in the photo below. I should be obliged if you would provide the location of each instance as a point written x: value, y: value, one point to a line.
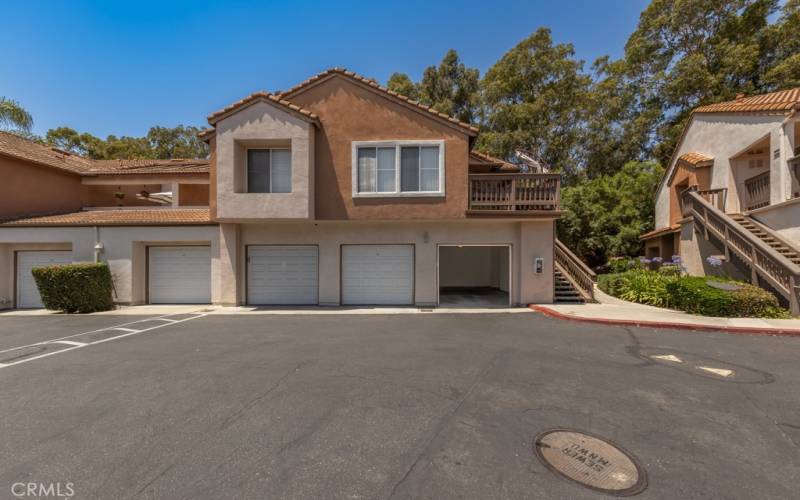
x: 692, y: 294
x: 75, y: 288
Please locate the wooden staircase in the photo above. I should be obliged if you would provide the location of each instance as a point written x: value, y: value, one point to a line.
x: 574, y: 280
x: 565, y: 292
x: 767, y: 236
x: 772, y: 262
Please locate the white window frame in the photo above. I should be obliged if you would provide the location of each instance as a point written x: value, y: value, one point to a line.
x: 247, y: 169
x: 397, y: 193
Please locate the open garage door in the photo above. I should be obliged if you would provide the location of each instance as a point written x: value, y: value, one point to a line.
x: 378, y: 274
x: 282, y: 274
x: 474, y: 275
x: 179, y: 275
x: 27, y: 292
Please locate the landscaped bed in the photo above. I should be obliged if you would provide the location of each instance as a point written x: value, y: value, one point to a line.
x: 669, y: 287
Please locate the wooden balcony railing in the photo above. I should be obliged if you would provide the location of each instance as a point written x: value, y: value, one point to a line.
x: 514, y: 193
x: 756, y: 191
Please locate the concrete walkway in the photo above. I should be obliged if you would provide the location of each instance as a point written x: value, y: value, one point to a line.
x: 611, y: 310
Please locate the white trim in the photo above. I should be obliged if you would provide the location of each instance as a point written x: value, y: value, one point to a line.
x: 397, y: 193
x: 510, y: 265
x: 247, y: 172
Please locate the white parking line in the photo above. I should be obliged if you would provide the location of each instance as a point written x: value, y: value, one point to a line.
x: 722, y: 372
x: 69, y: 342
x: 79, y: 345
x: 668, y: 357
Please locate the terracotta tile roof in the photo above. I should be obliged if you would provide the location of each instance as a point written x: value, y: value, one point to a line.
x: 696, y: 159
x: 206, y: 133
x: 263, y: 97
x: 119, y: 217
x: 18, y: 147
x: 478, y: 158
x: 287, y: 94
x: 784, y: 100
x: 181, y: 166
x: 660, y: 232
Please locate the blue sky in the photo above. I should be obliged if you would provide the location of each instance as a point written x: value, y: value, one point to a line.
x: 119, y: 68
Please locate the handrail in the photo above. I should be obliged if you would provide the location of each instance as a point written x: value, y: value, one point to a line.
x: 756, y: 191
x: 763, y: 260
x: 577, y: 273
x: 716, y: 197
x: 514, y: 193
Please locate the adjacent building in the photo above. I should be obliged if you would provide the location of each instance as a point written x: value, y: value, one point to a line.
x: 732, y: 190
x: 334, y: 192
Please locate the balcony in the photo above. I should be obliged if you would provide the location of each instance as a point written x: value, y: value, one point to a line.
x: 514, y: 194
x: 756, y: 191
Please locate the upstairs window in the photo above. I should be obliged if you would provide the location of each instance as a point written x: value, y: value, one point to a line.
x: 269, y: 171
x: 403, y: 168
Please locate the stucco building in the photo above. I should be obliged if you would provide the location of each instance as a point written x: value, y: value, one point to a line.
x: 732, y: 190
x: 335, y: 192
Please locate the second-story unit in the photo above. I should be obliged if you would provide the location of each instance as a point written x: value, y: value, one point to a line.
x: 334, y: 192
x: 732, y: 190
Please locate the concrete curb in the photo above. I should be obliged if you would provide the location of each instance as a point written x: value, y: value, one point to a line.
x: 740, y: 330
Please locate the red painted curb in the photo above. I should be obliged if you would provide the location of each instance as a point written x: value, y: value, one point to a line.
x: 741, y: 330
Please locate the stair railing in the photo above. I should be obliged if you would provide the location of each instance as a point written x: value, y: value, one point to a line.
x: 575, y: 271
x: 764, y: 261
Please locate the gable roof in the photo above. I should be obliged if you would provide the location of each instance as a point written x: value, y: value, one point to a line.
x: 268, y: 98
x: 15, y: 146
x: 380, y: 90
x: 119, y: 217
x: 697, y: 159
x: 18, y: 147
x: 482, y: 159
x: 781, y: 101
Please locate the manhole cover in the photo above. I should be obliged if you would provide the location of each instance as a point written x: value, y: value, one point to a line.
x: 590, y: 461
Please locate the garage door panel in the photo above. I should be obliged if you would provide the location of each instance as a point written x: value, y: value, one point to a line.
x: 282, y: 275
x: 180, y: 275
x: 378, y: 274
x: 27, y: 293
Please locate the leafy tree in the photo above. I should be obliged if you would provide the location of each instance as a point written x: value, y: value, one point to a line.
x: 782, y: 63
x: 604, y: 217
x: 160, y: 142
x: 451, y: 88
x: 14, y: 116
x: 176, y: 142
x: 685, y: 53
x: 402, y: 84
x: 535, y: 97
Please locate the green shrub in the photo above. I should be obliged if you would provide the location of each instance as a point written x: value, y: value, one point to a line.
x: 645, y: 287
x: 75, y: 288
x: 670, y: 270
x: 692, y: 294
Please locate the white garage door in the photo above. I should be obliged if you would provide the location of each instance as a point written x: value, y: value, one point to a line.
x: 27, y: 293
x: 283, y: 275
x: 179, y: 275
x: 378, y: 274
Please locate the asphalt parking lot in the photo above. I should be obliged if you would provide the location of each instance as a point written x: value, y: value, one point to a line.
x: 388, y: 406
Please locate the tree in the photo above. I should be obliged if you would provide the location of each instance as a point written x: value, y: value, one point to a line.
x: 451, y: 88
x: 782, y: 65
x: 14, y: 116
x: 160, y: 143
x: 535, y: 98
x: 176, y: 142
x: 685, y: 53
x: 402, y: 84
x: 604, y: 217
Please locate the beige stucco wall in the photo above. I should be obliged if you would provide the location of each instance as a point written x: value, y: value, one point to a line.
x: 124, y: 251
x: 722, y: 137
x: 783, y: 218
x: 694, y: 250
x: 263, y: 125
x: 529, y: 239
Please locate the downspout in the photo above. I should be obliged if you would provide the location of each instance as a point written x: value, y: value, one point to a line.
x: 98, y: 245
